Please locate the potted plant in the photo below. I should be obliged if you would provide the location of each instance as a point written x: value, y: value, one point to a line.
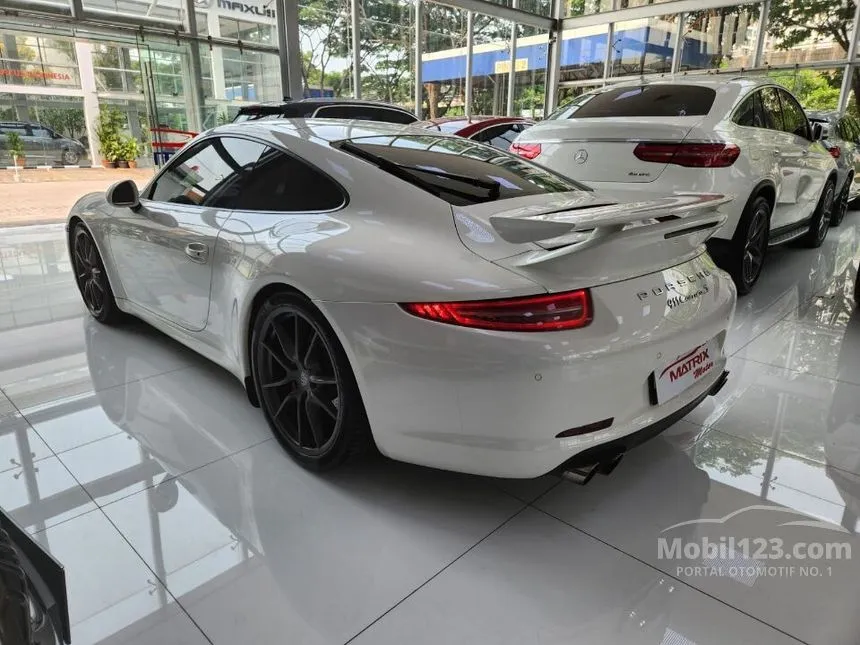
x: 16, y: 148
x: 108, y: 128
x: 131, y: 151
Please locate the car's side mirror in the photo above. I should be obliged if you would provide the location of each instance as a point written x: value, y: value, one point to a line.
x: 817, y: 132
x: 123, y: 194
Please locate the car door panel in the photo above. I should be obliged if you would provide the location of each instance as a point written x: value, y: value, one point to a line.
x: 164, y: 250
x: 153, y: 247
x: 789, y: 156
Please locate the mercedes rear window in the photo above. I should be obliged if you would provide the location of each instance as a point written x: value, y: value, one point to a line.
x: 457, y: 170
x: 648, y: 100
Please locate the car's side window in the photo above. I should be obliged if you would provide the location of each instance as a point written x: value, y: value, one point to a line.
x: 394, y: 116
x: 499, y: 136
x: 852, y: 132
x: 347, y: 112
x: 281, y: 182
x: 793, y: 116
x: 747, y: 113
x: 211, y: 173
x: 772, y: 108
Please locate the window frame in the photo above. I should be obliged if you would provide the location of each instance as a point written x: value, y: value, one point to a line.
x: 267, y: 144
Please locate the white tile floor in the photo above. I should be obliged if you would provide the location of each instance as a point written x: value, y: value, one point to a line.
x: 145, y: 470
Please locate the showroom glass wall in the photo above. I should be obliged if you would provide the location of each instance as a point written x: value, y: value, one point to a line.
x: 56, y: 80
x: 372, y: 49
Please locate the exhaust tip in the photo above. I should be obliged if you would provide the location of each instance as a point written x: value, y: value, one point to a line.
x: 582, y: 474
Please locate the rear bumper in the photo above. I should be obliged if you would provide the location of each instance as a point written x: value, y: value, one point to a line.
x: 608, y: 451
x: 494, y: 403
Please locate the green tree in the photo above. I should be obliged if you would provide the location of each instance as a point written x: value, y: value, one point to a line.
x: 69, y: 121
x: 794, y: 22
x: 814, y: 89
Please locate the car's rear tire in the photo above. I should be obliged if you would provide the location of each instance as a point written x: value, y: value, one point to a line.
x: 840, y: 206
x: 70, y: 157
x: 305, y: 384
x: 820, y: 223
x: 744, y: 256
x: 92, y: 279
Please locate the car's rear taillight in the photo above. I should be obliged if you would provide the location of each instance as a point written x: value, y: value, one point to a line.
x: 835, y: 152
x: 527, y: 150
x: 553, y: 312
x: 690, y: 155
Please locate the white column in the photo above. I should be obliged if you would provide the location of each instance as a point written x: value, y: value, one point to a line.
x: 419, y: 83
x: 356, y: 50
x: 216, y: 56
x: 84, y: 54
x: 678, y: 52
x: 849, y: 70
x: 553, y: 59
x: 761, y: 37
x: 470, y: 34
x: 512, y: 73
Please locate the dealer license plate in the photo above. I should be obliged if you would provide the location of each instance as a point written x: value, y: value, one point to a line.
x: 671, y: 380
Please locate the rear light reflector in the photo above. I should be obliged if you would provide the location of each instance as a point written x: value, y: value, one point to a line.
x: 691, y: 155
x: 527, y: 150
x: 591, y: 427
x: 552, y: 312
x: 835, y: 152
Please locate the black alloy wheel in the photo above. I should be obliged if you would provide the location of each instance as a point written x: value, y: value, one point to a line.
x: 744, y: 256
x: 821, y: 218
x: 756, y: 245
x: 91, y: 277
x: 840, y: 206
x: 304, y: 384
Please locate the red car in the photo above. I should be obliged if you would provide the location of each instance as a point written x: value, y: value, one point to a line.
x: 497, y: 131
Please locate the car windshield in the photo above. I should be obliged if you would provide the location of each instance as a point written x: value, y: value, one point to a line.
x: 641, y: 100
x: 457, y: 170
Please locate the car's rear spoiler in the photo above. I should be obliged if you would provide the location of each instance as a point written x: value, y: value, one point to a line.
x: 524, y: 225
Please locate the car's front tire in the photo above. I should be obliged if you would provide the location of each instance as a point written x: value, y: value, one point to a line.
x: 821, y: 218
x: 305, y: 384
x: 743, y: 257
x: 91, y: 277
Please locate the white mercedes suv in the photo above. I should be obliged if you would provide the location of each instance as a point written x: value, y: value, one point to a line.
x: 744, y: 137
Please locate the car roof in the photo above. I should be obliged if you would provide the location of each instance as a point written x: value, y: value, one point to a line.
x: 325, y: 131
x: 304, y: 103
x: 705, y: 80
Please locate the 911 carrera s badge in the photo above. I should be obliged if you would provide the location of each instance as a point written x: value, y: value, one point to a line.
x: 581, y: 156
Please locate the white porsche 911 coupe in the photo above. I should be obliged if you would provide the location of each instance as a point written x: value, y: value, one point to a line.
x: 451, y: 304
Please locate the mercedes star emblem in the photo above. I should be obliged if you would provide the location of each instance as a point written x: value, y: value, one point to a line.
x: 581, y: 156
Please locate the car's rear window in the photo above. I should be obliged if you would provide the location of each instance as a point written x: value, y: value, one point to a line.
x: 445, y: 166
x: 647, y: 100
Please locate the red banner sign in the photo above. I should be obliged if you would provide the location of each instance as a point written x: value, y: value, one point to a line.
x: 26, y: 73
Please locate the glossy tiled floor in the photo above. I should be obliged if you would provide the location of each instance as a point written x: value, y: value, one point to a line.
x: 179, y: 519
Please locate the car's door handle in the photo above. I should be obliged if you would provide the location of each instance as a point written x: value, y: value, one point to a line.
x: 197, y: 252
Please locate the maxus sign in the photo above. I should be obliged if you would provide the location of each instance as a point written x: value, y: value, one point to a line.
x: 239, y: 7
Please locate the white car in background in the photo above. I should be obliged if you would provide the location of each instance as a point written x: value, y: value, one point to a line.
x: 743, y: 137
x: 451, y: 303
